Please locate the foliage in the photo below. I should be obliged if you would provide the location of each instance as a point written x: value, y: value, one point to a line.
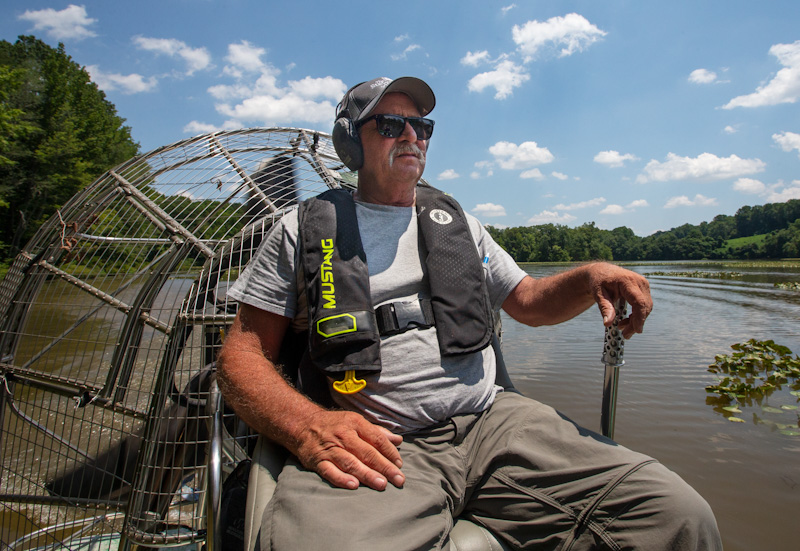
x: 777, y: 224
x: 57, y: 134
x: 751, y: 375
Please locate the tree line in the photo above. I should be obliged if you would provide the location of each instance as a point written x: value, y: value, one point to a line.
x: 763, y: 231
x: 58, y: 133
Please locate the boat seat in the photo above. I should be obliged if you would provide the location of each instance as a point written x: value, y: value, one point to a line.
x: 269, y: 458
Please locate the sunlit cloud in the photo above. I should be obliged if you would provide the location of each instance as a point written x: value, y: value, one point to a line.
x: 507, y: 9
x: 550, y: 217
x: 70, y: 23
x: 489, y: 210
x: 784, y: 86
x: 772, y: 193
x: 788, y: 141
x: 702, y: 76
x: 684, y: 201
x: 127, y: 84
x: 410, y: 48
x: 510, y: 156
x: 615, y: 210
x: 582, y: 205
x: 473, y: 59
x: 196, y: 59
x: 257, y: 96
x: 614, y: 159
x: 532, y: 174
x: 703, y: 167
x: 567, y: 35
x: 506, y: 76
x: 448, y: 174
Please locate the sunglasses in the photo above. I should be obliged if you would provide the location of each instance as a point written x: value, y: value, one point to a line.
x: 391, y: 126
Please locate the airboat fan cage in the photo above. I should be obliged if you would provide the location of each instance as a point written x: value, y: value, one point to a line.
x: 111, y: 318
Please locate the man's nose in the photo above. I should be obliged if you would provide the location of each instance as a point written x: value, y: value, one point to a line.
x: 408, y: 133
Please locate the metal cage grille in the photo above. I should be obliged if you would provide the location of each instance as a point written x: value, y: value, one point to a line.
x: 111, y: 317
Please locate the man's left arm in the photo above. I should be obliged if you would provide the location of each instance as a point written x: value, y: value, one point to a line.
x: 560, y: 297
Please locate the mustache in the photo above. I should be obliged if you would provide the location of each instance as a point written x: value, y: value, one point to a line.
x: 405, y: 149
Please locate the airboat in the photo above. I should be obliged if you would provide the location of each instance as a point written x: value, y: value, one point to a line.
x: 113, y: 433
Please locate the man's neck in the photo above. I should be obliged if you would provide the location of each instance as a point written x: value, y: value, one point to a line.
x: 397, y: 196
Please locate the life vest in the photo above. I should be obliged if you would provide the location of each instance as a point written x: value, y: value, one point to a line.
x: 344, y: 327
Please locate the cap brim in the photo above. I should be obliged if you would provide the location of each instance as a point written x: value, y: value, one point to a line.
x: 416, y: 89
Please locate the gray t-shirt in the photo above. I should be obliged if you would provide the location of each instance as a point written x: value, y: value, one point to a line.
x: 416, y: 387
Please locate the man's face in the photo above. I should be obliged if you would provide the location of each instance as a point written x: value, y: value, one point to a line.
x: 392, y: 161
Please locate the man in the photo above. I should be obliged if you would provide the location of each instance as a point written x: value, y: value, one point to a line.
x: 419, y: 432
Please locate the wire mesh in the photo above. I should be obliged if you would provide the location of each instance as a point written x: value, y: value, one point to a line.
x: 111, y: 317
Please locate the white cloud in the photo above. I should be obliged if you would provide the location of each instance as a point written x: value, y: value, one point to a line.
x: 568, y: 34
x: 489, y: 210
x: 506, y: 76
x: 702, y: 76
x: 448, y: 174
x: 312, y: 88
x: 196, y: 59
x: 788, y: 141
x: 410, y: 48
x: 619, y: 209
x: 70, y: 23
x: 257, y: 96
x: 127, y: 84
x: 730, y: 129
x: 783, y: 88
x: 704, y: 167
x: 197, y: 127
x: 511, y: 156
x: 613, y: 209
x: 749, y: 185
x: 582, y: 205
x: 684, y: 201
x: 560, y: 176
x: 245, y: 57
x: 614, y: 159
x: 550, y: 217
x: 507, y: 9
x: 475, y: 175
x: 780, y: 193
x: 401, y: 38
x: 532, y: 174
x: 772, y: 193
x: 474, y: 59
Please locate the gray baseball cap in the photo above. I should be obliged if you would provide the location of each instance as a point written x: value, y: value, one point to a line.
x: 359, y: 101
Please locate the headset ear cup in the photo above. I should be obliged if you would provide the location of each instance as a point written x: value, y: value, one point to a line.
x: 347, y: 143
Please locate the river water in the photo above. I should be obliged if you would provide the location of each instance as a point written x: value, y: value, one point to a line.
x: 749, y: 472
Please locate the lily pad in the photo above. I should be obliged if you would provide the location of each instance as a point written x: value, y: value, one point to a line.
x: 770, y: 409
x: 789, y: 408
x: 735, y: 420
x: 790, y: 432
x: 795, y: 393
x: 732, y: 409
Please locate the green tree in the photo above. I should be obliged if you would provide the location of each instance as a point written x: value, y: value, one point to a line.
x: 59, y: 133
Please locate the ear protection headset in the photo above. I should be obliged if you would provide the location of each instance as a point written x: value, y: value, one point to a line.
x: 346, y: 140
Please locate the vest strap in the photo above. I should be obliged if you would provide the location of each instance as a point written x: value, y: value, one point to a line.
x: 397, y: 317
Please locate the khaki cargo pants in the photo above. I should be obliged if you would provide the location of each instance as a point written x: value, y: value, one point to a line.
x: 521, y: 470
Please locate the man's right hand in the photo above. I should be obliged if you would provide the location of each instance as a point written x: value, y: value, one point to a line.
x: 347, y: 450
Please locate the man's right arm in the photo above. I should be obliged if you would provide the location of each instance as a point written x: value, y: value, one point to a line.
x: 343, y: 447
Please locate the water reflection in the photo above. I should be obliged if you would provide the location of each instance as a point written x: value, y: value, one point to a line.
x: 748, y: 472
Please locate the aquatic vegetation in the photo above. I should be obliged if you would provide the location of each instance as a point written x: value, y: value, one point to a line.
x: 748, y: 377
x: 790, y: 285
x: 698, y: 273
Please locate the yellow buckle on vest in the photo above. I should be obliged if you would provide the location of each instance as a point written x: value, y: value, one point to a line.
x: 349, y: 385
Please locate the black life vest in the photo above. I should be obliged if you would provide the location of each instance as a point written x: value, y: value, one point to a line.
x: 344, y: 329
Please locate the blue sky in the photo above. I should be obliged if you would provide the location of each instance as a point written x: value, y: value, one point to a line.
x: 625, y: 113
